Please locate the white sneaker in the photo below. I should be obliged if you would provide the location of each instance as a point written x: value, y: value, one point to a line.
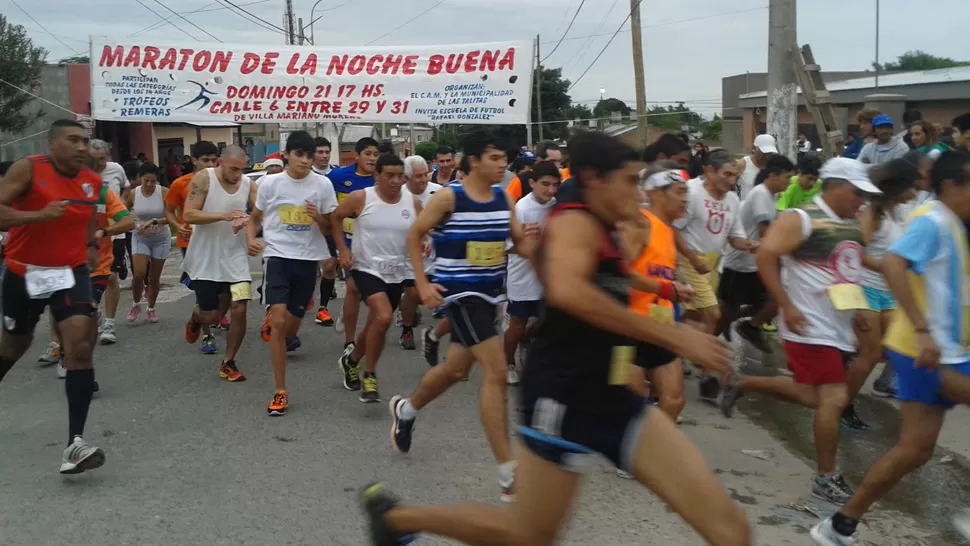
x: 61, y: 369
x: 79, y: 457
x: 623, y: 474
x: 824, y: 535
x: 108, y: 336
x: 52, y: 354
x: 338, y: 323
x: 512, y: 377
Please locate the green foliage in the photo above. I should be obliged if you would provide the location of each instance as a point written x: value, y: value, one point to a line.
x: 714, y: 129
x: 20, y: 64
x: 673, y: 118
x: 426, y: 149
x: 605, y: 107
x: 578, y: 111
x: 919, y: 60
x: 76, y: 59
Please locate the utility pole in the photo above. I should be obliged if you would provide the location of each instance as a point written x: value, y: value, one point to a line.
x: 528, y: 124
x: 782, y: 87
x: 877, y: 44
x: 290, y: 23
x: 302, y: 37
x: 642, y: 135
x: 539, y: 87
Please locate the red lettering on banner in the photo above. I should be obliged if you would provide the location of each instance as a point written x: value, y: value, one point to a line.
x: 185, y: 53
x: 357, y: 65
x: 410, y: 64
x: 151, y: 55
x: 134, y: 57
x: 372, y: 67
x: 434, y: 64
x: 250, y: 63
x: 168, y: 60
x: 269, y: 63
x: 454, y: 63
x: 111, y: 57
x: 201, y: 60
x: 508, y: 60
x: 392, y: 64
x: 471, y: 60
x: 220, y: 61
x: 309, y: 64
x: 337, y: 64
x: 489, y: 58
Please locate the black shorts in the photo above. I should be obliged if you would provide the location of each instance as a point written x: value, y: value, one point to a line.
x: 472, y: 320
x: 523, y: 309
x: 368, y: 285
x: 208, y: 293
x: 652, y: 356
x: 741, y: 288
x: 570, y: 438
x: 21, y: 312
x: 98, y: 285
x: 290, y: 282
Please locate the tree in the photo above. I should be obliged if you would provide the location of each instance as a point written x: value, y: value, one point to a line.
x: 605, y: 107
x: 426, y: 149
x: 76, y: 59
x: 20, y: 65
x: 919, y: 60
x: 673, y: 118
x: 579, y: 111
x: 714, y: 129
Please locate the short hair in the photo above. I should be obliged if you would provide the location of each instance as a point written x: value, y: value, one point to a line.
x: 444, y: 150
x: 464, y: 166
x: 962, y: 122
x: 233, y: 151
x: 949, y: 166
x: 4, y: 167
x: 894, y: 177
x: 599, y: 153
x: 912, y: 116
x: 810, y: 164
x: 521, y: 163
x: 388, y: 160
x: 543, y: 147
x: 545, y: 169
x: 719, y: 158
x: 776, y: 164
x: 322, y: 142
x: 410, y: 162
x: 668, y: 144
x: 386, y: 147
x: 866, y: 115
x: 365, y: 143
x: 59, y: 124
x: 131, y: 168
x: 147, y: 168
x: 204, y: 148
x: 99, y: 145
x: 301, y: 141
x: 478, y: 142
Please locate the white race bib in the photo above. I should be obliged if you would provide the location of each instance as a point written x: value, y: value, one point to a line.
x: 44, y: 281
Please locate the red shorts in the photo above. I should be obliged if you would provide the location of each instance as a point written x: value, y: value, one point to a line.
x: 815, y: 364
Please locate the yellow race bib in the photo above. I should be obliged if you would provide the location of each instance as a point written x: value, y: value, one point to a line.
x: 485, y: 254
x: 661, y: 314
x: 349, y: 226
x: 622, y: 364
x: 294, y: 215
x: 241, y: 291
x: 847, y: 297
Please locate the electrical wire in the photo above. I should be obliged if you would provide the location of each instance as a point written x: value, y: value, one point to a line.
x: 203, y: 9
x: 561, y: 38
x: 182, y: 17
x: 584, y: 49
x: 406, y: 23
x: 610, y: 41
x: 159, y: 15
x: 252, y: 18
x: 42, y: 27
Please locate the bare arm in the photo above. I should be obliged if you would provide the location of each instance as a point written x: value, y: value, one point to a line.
x: 124, y: 225
x: 164, y: 219
x: 442, y: 203
x: 198, y: 190
x: 170, y: 215
x: 350, y: 208
x: 252, y: 227
x: 867, y: 224
x: 894, y: 270
x: 13, y: 186
x: 522, y: 244
x: 784, y: 237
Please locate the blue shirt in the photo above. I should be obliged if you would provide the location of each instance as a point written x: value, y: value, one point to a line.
x: 346, y: 180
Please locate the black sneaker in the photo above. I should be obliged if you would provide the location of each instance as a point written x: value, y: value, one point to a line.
x: 753, y: 335
x: 710, y: 389
x: 850, y: 420
x: 376, y: 501
x: 400, y: 428
x: 885, y: 387
x: 369, y: 394
x: 729, y: 398
x: 350, y: 371
x: 833, y: 489
x: 293, y: 343
x: 429, y: 347
x: 407, y: 339
x: 97, y: 387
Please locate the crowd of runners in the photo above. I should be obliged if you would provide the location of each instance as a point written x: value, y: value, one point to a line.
x: 616, y: 272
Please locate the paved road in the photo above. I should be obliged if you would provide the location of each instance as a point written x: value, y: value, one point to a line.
x: 193, y: 459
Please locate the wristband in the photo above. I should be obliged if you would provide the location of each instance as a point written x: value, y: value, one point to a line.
x: 666, y: 291
x: 93, y: 244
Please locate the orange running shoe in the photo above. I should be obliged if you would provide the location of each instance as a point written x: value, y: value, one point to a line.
x: 230, y: 372
x: 278, y: 405
x: 192, y: 331
x: 266, y: 331
x: 323, y: 317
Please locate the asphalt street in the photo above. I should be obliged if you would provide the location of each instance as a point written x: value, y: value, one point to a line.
x: 193, y: 459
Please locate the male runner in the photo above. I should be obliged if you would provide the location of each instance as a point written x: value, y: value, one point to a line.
x: 293, y: 209
x: 416, y: 175
x: 927, y: 269
x: 747, y: 168
x: 322, y: 166
x: 472, y: 220
x: 205, y: 155
x: 346, y: 180
x: 378, y: 265
x: 547, y: 151
x: 819, y: 249
x: 447, y: 170
x: 47, y: 202
x: 575, y: 398
x: 216, y: 259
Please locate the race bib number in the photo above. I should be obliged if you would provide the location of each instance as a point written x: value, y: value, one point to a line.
x: 349, y: 226
x: 847, y: 297
x: 241, y: 291
x: 392, y: 266
x: 485, y: 254
x: 294, y: 215
x: 661, y: 314
x: 622, y: 364
x: 44, y: 281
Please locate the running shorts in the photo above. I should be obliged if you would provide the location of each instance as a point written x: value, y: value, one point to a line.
x: 21, y: 312
x: 879, y: 300
x: 650, y: 357
x: 705, y: 286
x: 156, y: 248
x: 815, y: 364
x: 290, y: 282
x: 921, y: 385
x: 472, y: 320
x: 98, y: 285
x: 737, y: 288
x: 368, y: 285
x: 523, y: 309
x: 208, y: 293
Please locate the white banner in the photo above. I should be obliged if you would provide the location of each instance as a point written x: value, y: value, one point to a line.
x: 195, y: 82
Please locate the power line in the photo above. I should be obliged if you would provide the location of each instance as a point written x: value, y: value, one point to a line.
x: 573, y: 20
x: 203, y: 9
x: 252, y: 18
x: 159, y: 15
x: 42, y: 27
x: 406, y: 23
x: 180, y: 16
x: 589, y: 39
x: 600, y: 54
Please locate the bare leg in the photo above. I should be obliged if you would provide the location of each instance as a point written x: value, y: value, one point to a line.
x: 351, y: 310
x: 869, y: 334
x: 154, y: 281
x: 12, y: 348
x: 139, y: 263
x: 277, y: 343
x: 492, y: 402
x: 513, y: 336
x: 780, y: 387
x: 112, y: 295
x: 832, y: 400
x: 668, y: 380
x: 379, y: 319
x: 439, y: 379
x: 237, y: 328
x: 442, y: 329
x: 409, y: 306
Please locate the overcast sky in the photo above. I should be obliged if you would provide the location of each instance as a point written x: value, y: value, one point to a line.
x: 689, y: 45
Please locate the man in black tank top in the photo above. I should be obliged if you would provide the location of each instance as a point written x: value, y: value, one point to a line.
x: 575, y: 395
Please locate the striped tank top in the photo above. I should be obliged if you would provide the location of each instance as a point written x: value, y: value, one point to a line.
x: 470, y: 247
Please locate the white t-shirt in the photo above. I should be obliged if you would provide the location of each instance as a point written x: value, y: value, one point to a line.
x: 522, y: 284
x: 708, y: 222
x: 114, y: 176
x: 288, y: 232
x: 759, y: 207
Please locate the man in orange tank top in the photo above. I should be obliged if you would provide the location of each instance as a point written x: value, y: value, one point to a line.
x: 48, y: 203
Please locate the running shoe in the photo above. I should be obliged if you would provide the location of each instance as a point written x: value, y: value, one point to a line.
x: 512, y: 378
x: 61, y: 369
x: 97, y: 386
x: 338, y: 323
x: 825, y: 535
x: 508, y: 491
x: 108, y: 336
x: 230, y: 372
x: 350, y: 372
x: 398, y: 318
x: 753, y: 335
x: 209, y: 345
x: 278, y: 405
x: 293, y: 343
x: 52, y: 354
x: 729, y: 397
x: 623, y: 474
x: 152, y: 316
x: 709, y: 389
x: 223, y: 323
x: 266, y: 331
x: 323, y: 317
x: 79, y: 457
x: 134, y: 312
x: 407, y: 339
x: 369, y: 394
x: 850, y: 420
x: 833, y: 489
x: 401, y: 429
x: 769, y: 327
x: 376, y: 501
x: 429, y: 347
x: 192, y: 331
x: 885, y: 387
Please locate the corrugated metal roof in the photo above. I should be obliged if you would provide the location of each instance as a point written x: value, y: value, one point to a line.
x: 353, y: 133
x: 919, y: 77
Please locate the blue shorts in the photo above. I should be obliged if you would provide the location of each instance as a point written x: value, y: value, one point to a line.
x: 879, y: 300
x: 921, y: 384
x: 523, y: 309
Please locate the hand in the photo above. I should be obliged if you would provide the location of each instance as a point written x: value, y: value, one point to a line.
x: 531, y: 230
x: 254, y: 247
x: 233, y: 215
x: 239, y: 223
x: 426, y: 249
x: 143, y: 228
x: 794, y: 320
x: 347, y: 260
x: 683, y: 292
x: 700, y: 266
x: 184, y: 230
x: 753, y: 246
x: 929, y: 351
x: 431, y: 295
x: 313, y: 211
x: 100, y: 234
x: 53, y: 210
x: 92, y: 258
x: 705, y: 350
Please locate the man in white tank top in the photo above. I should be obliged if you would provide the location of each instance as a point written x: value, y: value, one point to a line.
x: 416, y: 175
x: 378, y: 264
x: 216, y: 259
x: 751, y: 165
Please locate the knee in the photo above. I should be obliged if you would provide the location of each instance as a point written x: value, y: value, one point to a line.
x: 495, y: 374
x: 835, y: 399
x: 673, y: 401
x: 382, y: 319
x: 914, y: 456
x: 80, y: 351
x: 237, y: 310
x: 277, y: 321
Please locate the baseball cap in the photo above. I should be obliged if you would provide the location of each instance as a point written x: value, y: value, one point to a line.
x: 665, y: 178
x: 850, y: 170
x: 274, y: 162
x: 765, y: 144
x: 882, y: 119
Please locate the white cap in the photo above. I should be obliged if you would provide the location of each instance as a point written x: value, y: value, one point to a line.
x: 665, y: 178
x: 850, y: 170
x: 765, y: 144
x: 273, y: 163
